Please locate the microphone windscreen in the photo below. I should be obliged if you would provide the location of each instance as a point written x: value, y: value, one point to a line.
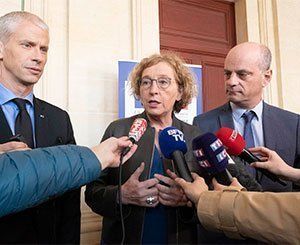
x: 171, y: 139
x: 232, y: 140
x: 137, y: 129
x: 210, y: 153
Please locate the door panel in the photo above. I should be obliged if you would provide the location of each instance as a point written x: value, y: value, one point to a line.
x: 202, y: 32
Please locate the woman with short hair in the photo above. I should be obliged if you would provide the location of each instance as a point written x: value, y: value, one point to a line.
x: 154, y: 206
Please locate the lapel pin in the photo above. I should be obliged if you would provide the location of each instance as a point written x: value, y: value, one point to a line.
x: 42, y: 116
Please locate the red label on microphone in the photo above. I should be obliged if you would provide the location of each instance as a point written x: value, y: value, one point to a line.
x: 137, y: 129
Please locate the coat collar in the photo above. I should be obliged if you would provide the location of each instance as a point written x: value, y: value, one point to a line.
x: 225, y: 117
x: 175, y: 121
x: 5, y: 131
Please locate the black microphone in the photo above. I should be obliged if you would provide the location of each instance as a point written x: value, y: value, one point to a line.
x: 173, y: 146
x: 235, y: 144
x: 237, y: 169
x: 212, y: 157
x: 136, y: 131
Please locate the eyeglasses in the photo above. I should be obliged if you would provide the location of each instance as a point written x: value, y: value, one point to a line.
x: 162, y: 82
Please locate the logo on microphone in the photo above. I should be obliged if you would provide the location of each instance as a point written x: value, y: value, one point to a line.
x: 137, y: 129
x: 176, y: 134
x: 198, y: 153
x: 216, y: 145
x: 204, y: 164
x: 221, y: 156
x: 233, y: 135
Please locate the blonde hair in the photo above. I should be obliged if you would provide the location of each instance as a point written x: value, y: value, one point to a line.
x: 182, y: 73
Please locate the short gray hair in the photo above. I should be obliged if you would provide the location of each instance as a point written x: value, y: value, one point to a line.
x: 266, y: 58
x: 9, y: 22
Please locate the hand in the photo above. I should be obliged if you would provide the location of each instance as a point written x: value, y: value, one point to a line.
x: 169, y: 192
x: 109, y: 151
x: 195, y: 189
x: 136, y: 192
x: 13, y: 146
x: 272, y: 162
x: 219, y: 187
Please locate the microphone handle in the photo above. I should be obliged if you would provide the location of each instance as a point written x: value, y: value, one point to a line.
x: 223, y: 177
x: 250, y: 158
x: 181, y: 166
x: 127, y: 149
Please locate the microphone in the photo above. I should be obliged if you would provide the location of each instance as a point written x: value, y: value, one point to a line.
x: 235, y: 144
x: 136, y: 131
x: 236, y: 168
x: 173, y: 146
x: 212, y: 157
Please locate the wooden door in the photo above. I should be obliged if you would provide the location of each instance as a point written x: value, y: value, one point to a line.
x: 202, y: 32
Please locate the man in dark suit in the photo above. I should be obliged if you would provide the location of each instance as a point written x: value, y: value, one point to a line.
x: 24, y: 40
x: 246, y: 72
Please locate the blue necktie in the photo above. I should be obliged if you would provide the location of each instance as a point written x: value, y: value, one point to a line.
x: 248, y: 136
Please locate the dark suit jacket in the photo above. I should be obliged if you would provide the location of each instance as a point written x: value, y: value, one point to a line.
x: 281, y: 134
x: 57, y: 220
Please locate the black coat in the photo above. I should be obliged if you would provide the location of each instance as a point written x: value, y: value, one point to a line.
x: 57, y: 220
x: 101, y: 195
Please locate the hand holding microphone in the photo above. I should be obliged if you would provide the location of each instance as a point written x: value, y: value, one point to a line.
x: 109, y: 151
x: 274, y: 163
x: 236, y: 146
x: 170, y: 193
x: 136, y: 131
x: 194, y: 190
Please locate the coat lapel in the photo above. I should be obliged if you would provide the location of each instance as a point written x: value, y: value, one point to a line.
x: 270, y: 128
x: 271, y: 132
x: 225, y: 117
x: 41, y: 124
x: 5, y: 132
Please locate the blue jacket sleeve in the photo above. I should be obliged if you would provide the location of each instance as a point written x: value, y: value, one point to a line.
x: 30, y: 177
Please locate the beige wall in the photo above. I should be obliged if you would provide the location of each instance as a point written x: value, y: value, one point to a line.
x: 99, y: 36
x: 276, y: 24
x: 289, y: 49
x: 9, y: 5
